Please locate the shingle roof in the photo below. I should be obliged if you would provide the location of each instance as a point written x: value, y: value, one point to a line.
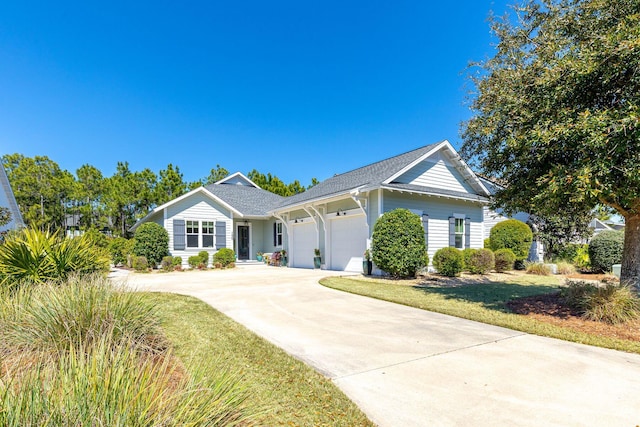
x: 250, y: 201
x: 370, y: 175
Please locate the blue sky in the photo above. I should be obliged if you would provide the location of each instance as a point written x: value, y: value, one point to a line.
x: 300, y: 89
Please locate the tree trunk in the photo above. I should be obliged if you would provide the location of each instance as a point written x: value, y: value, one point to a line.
x: 630, y: 274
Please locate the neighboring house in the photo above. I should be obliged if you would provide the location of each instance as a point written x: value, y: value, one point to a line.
x: 337, y: 215
x: 232, y: 213
x: 8, y: 200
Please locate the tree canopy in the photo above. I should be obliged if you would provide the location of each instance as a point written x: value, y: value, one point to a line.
x: 47, y: 195
x: 556, y: 113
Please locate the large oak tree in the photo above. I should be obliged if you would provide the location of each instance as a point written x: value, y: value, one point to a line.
x: 557, y: 112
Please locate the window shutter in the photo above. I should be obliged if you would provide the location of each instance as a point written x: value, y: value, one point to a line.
x: 467, y: 232
x: 178, y: 235
x: 221, y: 234
x: 425, y: 226
x: 275, y: 235
x: 452, y: 232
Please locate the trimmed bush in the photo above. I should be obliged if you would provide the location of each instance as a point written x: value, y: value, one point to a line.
x: 504, y: 260
x: 195, y: 261
x: 225, y: 257
x: 448, y: 261
x: 605, y: 249
x: 152, y: 242
x: 119, y: 250
x: 481, y: 261
x: 466, y: 256
x: 397, y: 245
x: 140, y: 263
x: 204, y: 257
x: 177, y: 261
x: 512, y: 234
x: 487, y: 243
x: 167, y: 263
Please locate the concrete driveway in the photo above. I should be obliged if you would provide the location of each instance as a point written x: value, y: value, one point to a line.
x: 408, y: 367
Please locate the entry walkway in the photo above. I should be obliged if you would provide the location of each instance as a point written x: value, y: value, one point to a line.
x: 409, y: 367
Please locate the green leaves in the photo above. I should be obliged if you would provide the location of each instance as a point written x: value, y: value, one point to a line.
x: 556, y: 113
x: 35, y: 256
x: 398, y: 243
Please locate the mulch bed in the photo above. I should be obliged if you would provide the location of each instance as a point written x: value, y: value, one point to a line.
x: 550, y: 308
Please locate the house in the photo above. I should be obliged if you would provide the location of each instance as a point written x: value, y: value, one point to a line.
x: 8, y: 200
x: 232, y: 213
x: 337, y: 215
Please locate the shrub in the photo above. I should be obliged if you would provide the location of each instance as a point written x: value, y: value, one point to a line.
x: 140, y: 263
x: 34, y: 256
x: 575, y: 292
x: 194, y: 261
x: 581, y: 260
x: 565, y: 268
x: 481, y: 261
x: 398, y: 246
x: 512, y: 234
x: 487, y: 243
x: 152, y: 242
x: 167, y: 263
x: 217, y: 265
x: 177, y: 261
x: 119, y: 250
x: 569, y: 251
x: 537, y: 268
x: 504, y: 260
x: 204, y: 257
x: 611, y: 303
x: 448, y: 261
x: 605, y: 249
x: 96, y: 238
x: 88, y: 353
x: 225, y: 257
x: 466, y: 256
x: 49, y: 318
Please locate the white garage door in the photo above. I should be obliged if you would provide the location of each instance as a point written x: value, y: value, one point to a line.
x: 303, y: 244
x: 348, y: 241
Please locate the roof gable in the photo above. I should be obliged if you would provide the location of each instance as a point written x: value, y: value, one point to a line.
x: 386, y: 173
x: 441, y: 167
x: 238, y: 179
x: 8, y: 200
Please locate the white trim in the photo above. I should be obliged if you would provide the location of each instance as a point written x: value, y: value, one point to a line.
x: 228, y: 178
x: 433, y: 194
x: 455, y: 157
x: 380, y: 202
x: 237, y: 239
x: 184, y: 196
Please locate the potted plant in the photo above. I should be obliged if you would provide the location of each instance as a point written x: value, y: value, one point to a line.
x: 317, y: 260
x: 259, y: 256
x: 283, y: 258
x: 367, y: 265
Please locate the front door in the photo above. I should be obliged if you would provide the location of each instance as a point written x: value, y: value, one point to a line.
x: 243, y: 242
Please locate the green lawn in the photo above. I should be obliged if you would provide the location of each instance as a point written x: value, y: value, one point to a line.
x: 292, y: 393
x: 480, y: 302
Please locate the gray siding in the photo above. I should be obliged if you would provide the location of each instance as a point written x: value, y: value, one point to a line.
x: 439, y: 211
x: 437, y: 173
x: 491, y: 218
x: 196, y: 207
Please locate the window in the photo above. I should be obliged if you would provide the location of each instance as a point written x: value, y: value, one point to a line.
x: 459, y: 233
x: 277, y: 234
x: 208, y: 230
x: 192, y: 234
